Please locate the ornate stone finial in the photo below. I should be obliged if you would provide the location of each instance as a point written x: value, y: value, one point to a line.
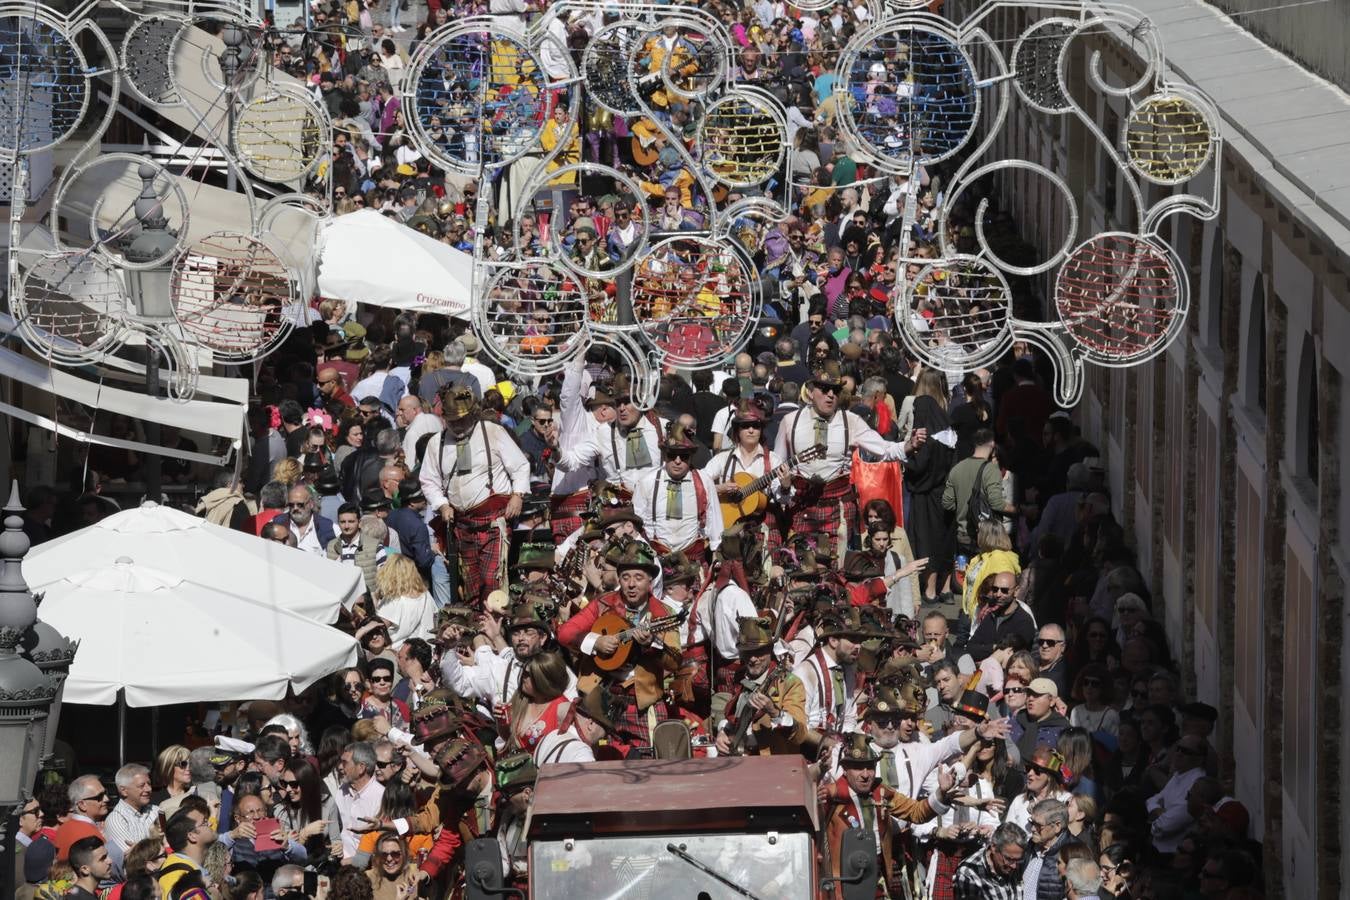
x: 17, y: 609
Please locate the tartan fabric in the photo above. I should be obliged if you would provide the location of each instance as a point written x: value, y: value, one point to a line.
x: 821, y: 508
x: 565, y: 514
x: 694, y: 665
x: 633, y: 723
x: 945, y: 860
x: 729, y: 676
x: 480, y: 549
x: 976, y: 880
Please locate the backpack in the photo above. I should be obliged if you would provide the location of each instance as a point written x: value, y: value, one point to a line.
x: 978, y: 508
x: 185, y: 888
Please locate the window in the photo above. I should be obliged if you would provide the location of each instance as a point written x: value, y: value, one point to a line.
x: 1300, y: 686
x: 1206, y: 518
x: 1214, y: 297
x: 1256, y: 347
x: 1247, y: 651
x: 1307, y: 452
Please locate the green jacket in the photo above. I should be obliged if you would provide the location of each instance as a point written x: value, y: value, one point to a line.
x: 960, y: 486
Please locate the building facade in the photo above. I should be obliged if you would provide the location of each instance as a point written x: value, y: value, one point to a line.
x: 1227, y: 454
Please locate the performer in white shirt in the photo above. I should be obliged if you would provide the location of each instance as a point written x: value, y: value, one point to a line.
x: 475, y: 476
x: 623, y: 449
x: 748, y: 456
x: 826, y: 503
x: 678, y: 507
x: 830, y: 676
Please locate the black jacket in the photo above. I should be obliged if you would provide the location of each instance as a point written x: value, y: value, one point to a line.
x: 992, y: 629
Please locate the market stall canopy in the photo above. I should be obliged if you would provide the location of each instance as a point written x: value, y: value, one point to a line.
x: 371, y: 258
x: 163, y: 638
x: 270, y: 574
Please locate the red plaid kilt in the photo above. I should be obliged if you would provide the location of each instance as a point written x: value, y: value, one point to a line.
x: 564, y: 513
x: 729, y: 675
x: 633, y: 723
x: 945, y: 859
x: 480, y: 549
x: 821, y: 507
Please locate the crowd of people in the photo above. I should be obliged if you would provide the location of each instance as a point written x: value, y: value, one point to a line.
x: 910, y: 578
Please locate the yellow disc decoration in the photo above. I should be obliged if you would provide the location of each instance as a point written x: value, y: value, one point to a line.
x: 1168, y: 139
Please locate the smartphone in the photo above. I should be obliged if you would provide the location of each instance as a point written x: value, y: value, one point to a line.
x: 311, y: 883
x: 262, y: 840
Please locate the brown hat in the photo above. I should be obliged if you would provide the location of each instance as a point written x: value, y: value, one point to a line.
x: 459, y: 761
x: 678, y: 440
x: 755, y: 633
x: 613, y: 515
x: 859, y: 566
x: 737, y: 543
x: 856, y: 749
x: 633, y: 554
x: 458, y: 402
x: 828, y: 374
x: 603, y: 395
x: 841, y: 623
x: 902, y: 672
x: 533, y: 611
x: 536, y: 556
x: 436, y: 716
x: 885, y: 702
x: 677, y: 569
x: 601, y: 707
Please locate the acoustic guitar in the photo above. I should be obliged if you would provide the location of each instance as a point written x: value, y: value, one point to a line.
x: 621, y: 628
x: 752, y: 500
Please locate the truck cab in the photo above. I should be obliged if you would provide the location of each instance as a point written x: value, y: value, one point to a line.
x: 729, y: 827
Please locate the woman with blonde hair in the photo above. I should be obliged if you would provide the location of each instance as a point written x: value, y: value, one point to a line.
x: 392, y: 875
x: 403, y: 601
x: 288, y: 471
x: 172, y: 778
x: 989, y: 537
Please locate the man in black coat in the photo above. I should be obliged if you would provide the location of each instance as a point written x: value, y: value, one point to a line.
x: 998, y: 591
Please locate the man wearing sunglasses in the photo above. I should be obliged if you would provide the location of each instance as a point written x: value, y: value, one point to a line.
x: 678, y: 507
x: 997, y: 592
x: 827, y: 504
x: 624, y: 449
x: 89, y: 806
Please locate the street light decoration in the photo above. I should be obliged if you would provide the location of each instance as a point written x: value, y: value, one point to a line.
x: 505, y: 101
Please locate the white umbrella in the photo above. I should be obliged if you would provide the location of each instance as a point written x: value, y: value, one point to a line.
x: 182, y: 544
x: 368, y: 257
x: 162, y: 638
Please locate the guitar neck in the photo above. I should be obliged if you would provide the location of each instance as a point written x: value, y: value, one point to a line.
x: 763, y: 481
x: 665, y: 623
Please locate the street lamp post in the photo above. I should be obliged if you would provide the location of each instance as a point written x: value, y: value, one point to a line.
x: 27, y: 692
x: 150, y: 291
x: 233, y: 37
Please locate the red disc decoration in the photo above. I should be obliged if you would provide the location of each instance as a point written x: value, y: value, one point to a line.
x: 1118, y: 296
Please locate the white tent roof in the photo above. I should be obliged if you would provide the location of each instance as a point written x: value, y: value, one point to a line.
x: 163, y: 638
x: 371, y: 258
x: 268, y: 573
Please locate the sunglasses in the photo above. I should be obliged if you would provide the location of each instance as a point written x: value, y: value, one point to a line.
x: 300, y: 505
x: 994, y: 589
x: 1014, y: 690
x: 889, y: 722
x: 828, y: 388
x: 182, y: 764
x: 32, y: 811
x: 288, y: 785
x: 377, y: 679
x: 543, y: 421
x: 98, y: 798
x: 386, y: 765
x: 684, y: 455
x: 1045, y: 642
x: 391, y: 854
